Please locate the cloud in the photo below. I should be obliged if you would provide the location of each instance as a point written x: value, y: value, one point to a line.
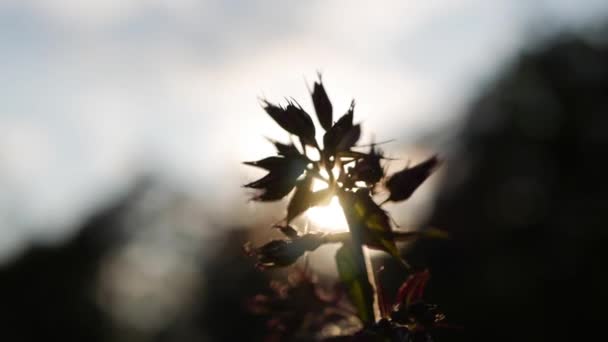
x: 97, y: 89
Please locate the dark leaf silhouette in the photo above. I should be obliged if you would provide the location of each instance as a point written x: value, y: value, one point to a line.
x: 322, y: 105
x: 287, y: 150
x: 294, y: 120
x: 354, y: 278
x: 343, y: 134
x: 349, y: 138
x: 299, y: 201
x: 368, y: 169
x: 305, y: 198
x: 273, y: 190
x: 386, y: 331
x: 289, y: 231
x: 281, y: 253
x: 350, y: 154
x: 281, y: 179
x: 403, y: 183
x: 269, y: 163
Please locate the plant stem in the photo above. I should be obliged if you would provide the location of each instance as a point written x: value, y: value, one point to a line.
x: 371, y: 277
x: 365, y: 274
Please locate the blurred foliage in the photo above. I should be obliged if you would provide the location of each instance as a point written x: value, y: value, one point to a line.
x: 525, y: 202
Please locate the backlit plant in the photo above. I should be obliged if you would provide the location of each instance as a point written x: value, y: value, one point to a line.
x: 355, y: 177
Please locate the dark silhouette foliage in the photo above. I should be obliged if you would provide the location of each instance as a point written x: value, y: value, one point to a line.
x: 354, y: 185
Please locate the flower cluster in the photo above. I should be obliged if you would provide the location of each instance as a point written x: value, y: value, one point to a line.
x: 355, y: 177
x: 356, y: 182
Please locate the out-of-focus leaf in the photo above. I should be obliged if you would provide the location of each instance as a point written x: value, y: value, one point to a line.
x: 403, y: 183
x: 287, y: 150
x: 281, y: 253
x: 434, y: 233
x: 429, y: 233
x: 351, y: 268
x: 299, y: 201
x: 411, y: 310
x: 269, y: 163
x: 276, y: 253
x: 369, y: 222
x: 274, y: 191
x: 350, y: 154
x: 413, y: 288
x: 289, y: 231
x: 264, y: 182
x: 294, y: 120
x: 288, y: 165
x: 281, y: 179
x: 349, y: 138
x: 368, y: 169
x: 305, y: 198
x: 343, y: 134
x: 323, y: 106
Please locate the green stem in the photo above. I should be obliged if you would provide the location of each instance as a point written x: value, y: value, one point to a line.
x: 364, y: 273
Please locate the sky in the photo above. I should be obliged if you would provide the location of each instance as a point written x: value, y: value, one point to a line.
x: 93, y: 94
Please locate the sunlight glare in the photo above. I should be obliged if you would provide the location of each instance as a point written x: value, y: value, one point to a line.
x: 329, y: 218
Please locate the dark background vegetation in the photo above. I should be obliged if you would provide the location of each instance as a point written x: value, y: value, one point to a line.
x: 524, y: 199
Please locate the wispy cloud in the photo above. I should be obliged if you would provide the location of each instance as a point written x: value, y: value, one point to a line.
x: 92, y: 90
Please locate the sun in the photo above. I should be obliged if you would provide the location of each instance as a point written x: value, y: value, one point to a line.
x: 328, y: 218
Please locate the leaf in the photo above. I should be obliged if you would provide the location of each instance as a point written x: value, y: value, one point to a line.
x: 349, y: 138
x: 292, y: 165
x: 343, y: 134
x: 350, y: 154
x: 434, y: 233
x: 305, y: 198
x: 351, y: 268
x: 288, y: 231
x: 369, y: 223
x: 299, y: 201
x: 368, y: 168
x: 281, y: 253
x: 281, y: 179
x: 322, y: 104
x: 275, y: 191
x: 269, y: 163
x: 413, y: 288
x: 403, y: 183
x: 287, y: 150
x: 294, y: 120
x: 429, y: 233
x: 263, y: 182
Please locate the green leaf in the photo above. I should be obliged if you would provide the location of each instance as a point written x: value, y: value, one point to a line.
x: 369, y: 223
x: 353, y: 274
x: 305, y: 198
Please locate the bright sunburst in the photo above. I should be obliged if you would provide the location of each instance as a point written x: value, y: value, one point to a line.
x: 329, y: 218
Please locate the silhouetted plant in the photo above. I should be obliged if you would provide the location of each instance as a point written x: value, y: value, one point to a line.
x: 354, y: 177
